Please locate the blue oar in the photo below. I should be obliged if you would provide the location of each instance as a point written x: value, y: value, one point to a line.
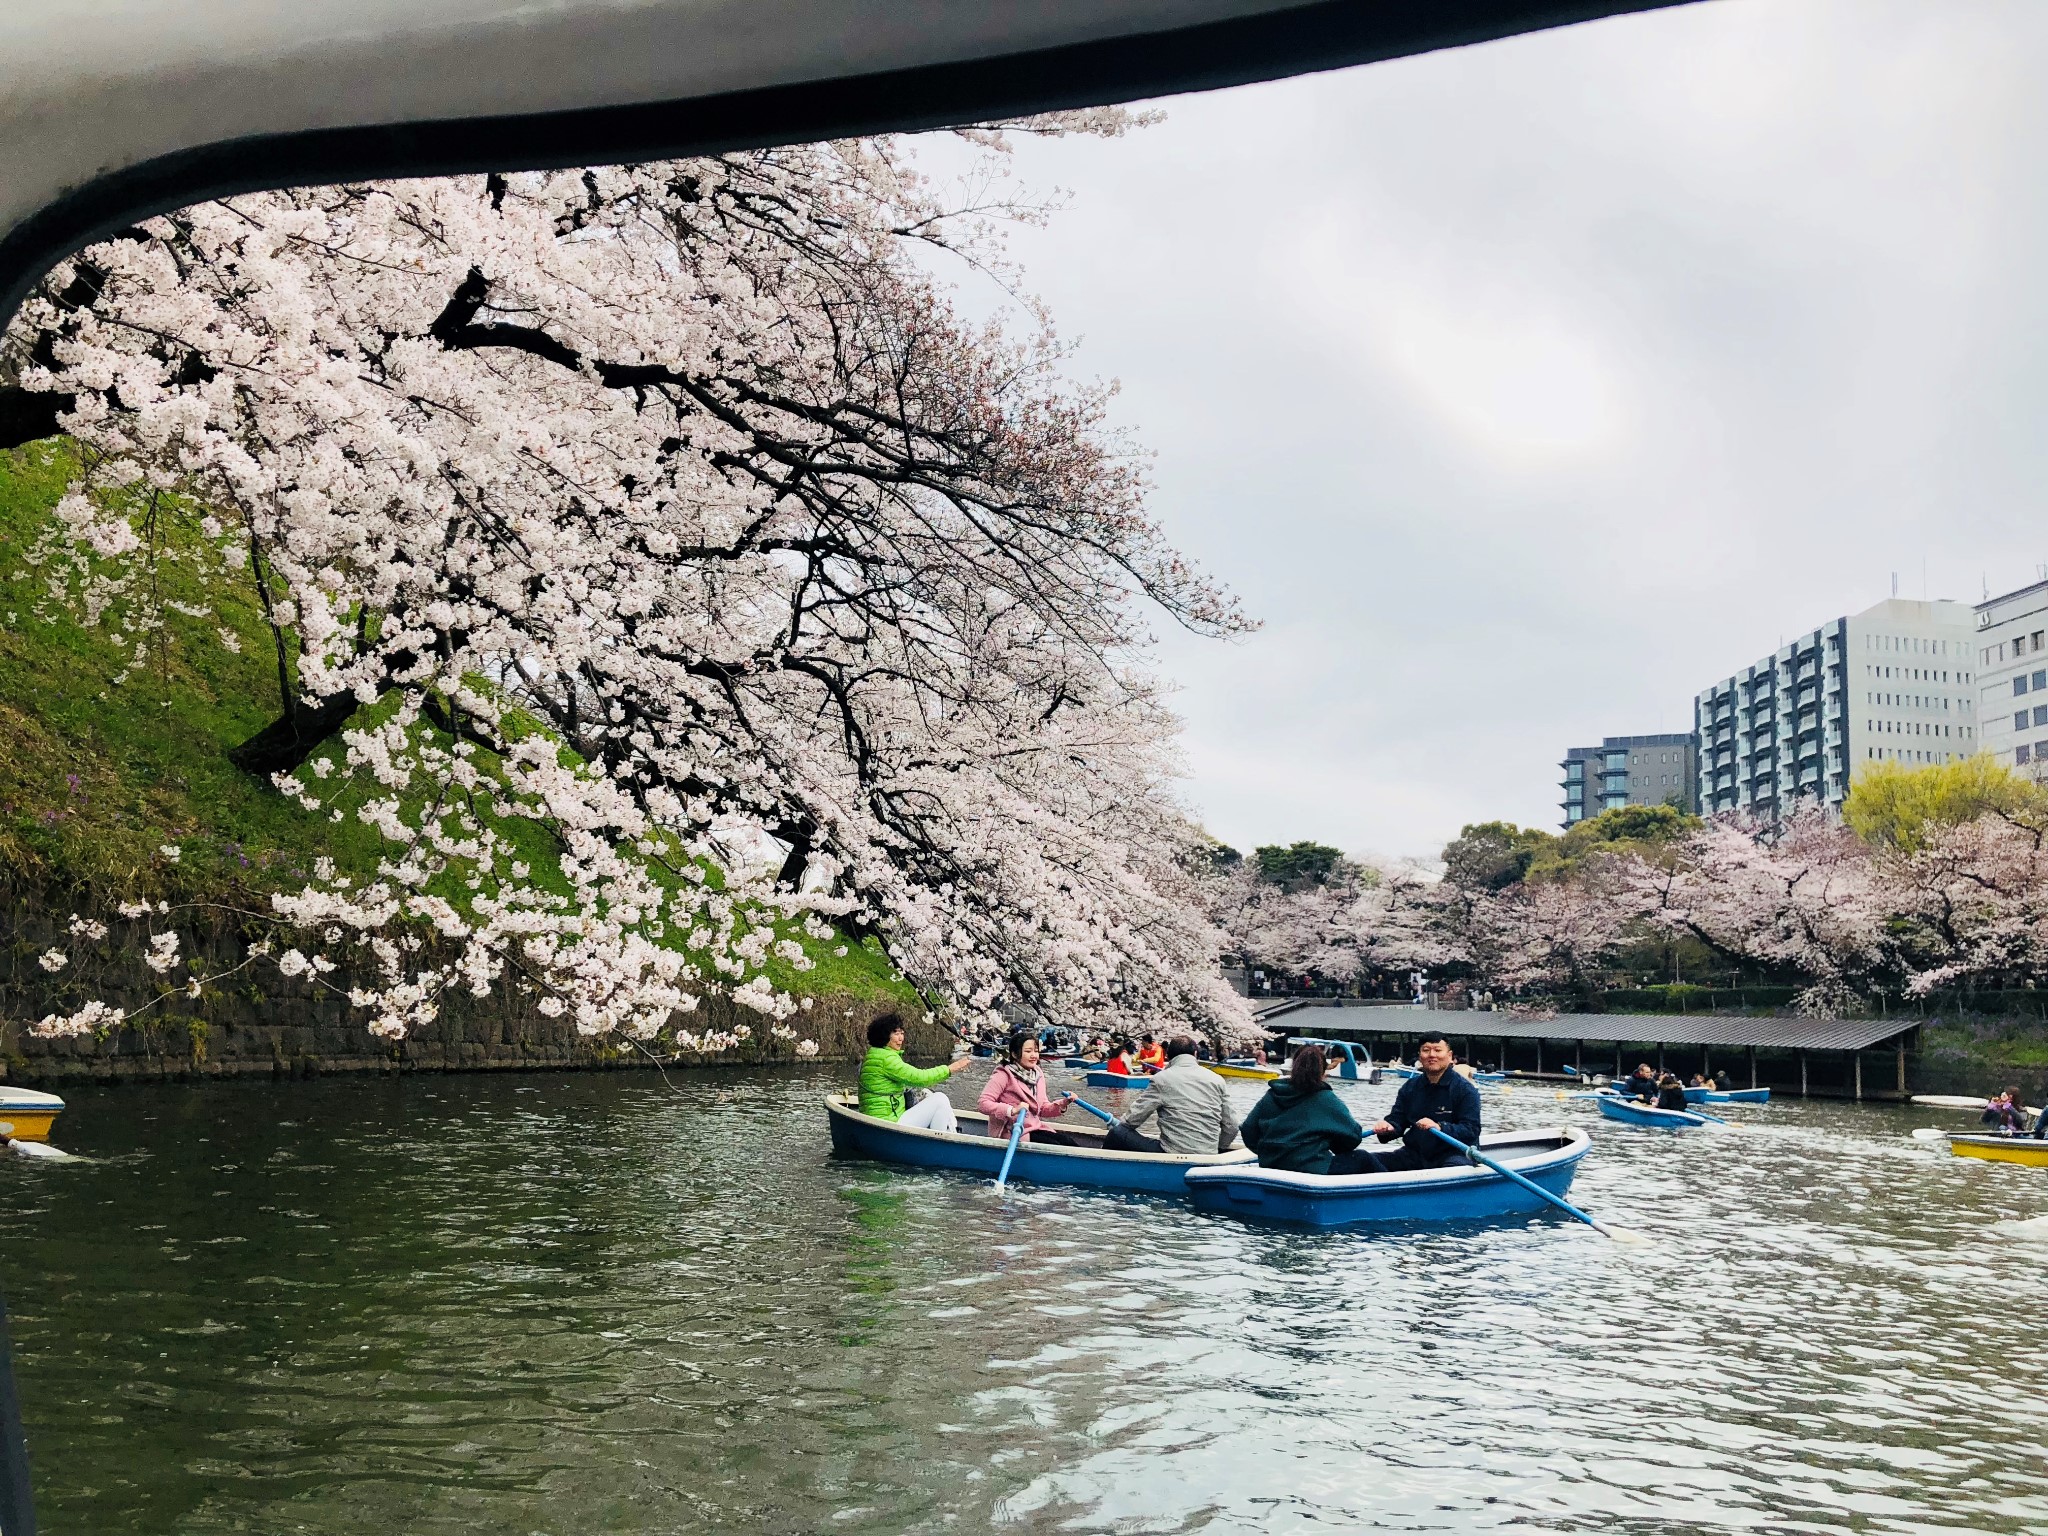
x: 1477, y: 1156
x: 1101, y: 1114
x: 1016, y: 1135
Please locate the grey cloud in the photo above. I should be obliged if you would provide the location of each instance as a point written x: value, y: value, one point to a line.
x: 1525, y: 389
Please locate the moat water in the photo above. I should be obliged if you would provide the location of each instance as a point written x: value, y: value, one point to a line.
x: 511, y: 1305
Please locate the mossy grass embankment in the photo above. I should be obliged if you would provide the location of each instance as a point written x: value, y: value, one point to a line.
x: 107, y: 760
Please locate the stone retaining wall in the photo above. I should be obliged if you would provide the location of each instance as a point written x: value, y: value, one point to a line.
x: 262, y: 1024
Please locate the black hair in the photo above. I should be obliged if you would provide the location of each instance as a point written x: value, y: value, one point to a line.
x: 1433, y: 1040
x: 1019, y: 1040
x: 1179, y: 1045
x: 881, y: 1029
x: 1305, y: 1072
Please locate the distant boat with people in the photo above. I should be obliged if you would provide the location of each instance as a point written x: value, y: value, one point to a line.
x: 1647, y: 1116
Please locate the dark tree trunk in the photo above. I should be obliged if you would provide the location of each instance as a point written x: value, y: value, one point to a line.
x: 285, y: 743
x: 27, y: 414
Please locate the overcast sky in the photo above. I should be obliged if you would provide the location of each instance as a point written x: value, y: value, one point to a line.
x: 1523, y: 390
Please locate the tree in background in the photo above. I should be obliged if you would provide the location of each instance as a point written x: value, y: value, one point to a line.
x: 670, y: 510
x: 1645, y: 831
x: 1493, y: 855
x: 1298, y: 865
x: 1895, y: 805
x: 1798, y: 898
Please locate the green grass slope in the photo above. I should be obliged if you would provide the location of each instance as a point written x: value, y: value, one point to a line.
x: 104, y: 761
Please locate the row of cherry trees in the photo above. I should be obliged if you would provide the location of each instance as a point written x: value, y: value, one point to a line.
x: 671, y: 510
x: 1808, y: 901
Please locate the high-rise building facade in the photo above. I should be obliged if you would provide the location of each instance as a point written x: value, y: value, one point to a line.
x: 2012, y: 666
x: 1629, y: 770
x: 1894, y: 683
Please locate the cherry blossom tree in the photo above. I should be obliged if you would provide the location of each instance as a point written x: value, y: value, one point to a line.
x: 1969, y: 903
x: 1802, y: 897
x: 1363, y: 916
x: 671, y: 513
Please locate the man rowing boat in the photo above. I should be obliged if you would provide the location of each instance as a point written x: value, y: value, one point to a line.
x: 1437, y: 1099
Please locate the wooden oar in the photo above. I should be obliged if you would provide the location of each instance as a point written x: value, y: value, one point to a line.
x: 1619, y: 1234
x: 1016, y: 1135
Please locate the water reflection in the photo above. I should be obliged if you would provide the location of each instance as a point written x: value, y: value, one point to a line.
x: 595, y: 1303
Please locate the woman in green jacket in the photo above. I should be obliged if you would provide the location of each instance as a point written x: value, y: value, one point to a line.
x: 1303, y: 1127
x: 884, y: 1076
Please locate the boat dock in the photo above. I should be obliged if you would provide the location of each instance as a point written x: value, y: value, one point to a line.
x: 1814, y: 1058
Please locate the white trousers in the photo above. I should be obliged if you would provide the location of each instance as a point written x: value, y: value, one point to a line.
x: 933, y: 1112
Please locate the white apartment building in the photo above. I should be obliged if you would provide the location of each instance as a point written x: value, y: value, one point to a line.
x: 2013, y: 665
x: 1894, y: 683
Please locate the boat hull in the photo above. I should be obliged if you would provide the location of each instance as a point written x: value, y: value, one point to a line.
x: 1455, y: 1192
x: 1648, y: 1116
x: 2002, y: 1149
x: 1118, y: 1080
x: 1727, y: 1095
x: 1085, y: 1167
x: 1253, y: 1074
x: 32, y: 1114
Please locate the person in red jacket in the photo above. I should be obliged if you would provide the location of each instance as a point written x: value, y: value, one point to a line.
x: 1151, y: 1055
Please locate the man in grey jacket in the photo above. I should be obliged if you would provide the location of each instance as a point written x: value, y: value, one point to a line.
x: 1192, y: 1104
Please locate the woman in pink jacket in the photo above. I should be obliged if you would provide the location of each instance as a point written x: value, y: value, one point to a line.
x: 1018, y: 1084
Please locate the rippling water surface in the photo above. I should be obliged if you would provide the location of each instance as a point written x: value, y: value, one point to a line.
x: 598, y: 1303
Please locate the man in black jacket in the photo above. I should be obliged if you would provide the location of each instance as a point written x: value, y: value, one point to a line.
x: 1439, y: 1099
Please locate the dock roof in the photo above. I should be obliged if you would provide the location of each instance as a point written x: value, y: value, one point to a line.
x: 1614, y: 1028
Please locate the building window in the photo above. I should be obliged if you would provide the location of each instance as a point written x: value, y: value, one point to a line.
x: 2040, y: 680
x: 2021, y: 754
x: 2019, y: 685
x: 2019, y: 720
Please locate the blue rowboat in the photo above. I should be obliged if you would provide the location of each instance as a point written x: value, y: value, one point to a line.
x: 1489, y: 1077
x: 1345, y: 1059
x: 1082, y: 1062
x: 972, y: 1150
x: 1727, y: 1095
x: 1629, y: 1112
x: 1456, y: 1191
x: 1117, y: 1080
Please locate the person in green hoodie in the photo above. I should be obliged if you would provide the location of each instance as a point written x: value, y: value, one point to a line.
x: 1302, y: 1126
x: 885, y: 1075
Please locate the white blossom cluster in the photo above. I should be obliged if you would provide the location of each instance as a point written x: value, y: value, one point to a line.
x: 665, y: 516
x: 1804, y: 898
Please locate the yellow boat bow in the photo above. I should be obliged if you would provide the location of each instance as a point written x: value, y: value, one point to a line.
x: 2002, y: 1149
x: 30, y: 1113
